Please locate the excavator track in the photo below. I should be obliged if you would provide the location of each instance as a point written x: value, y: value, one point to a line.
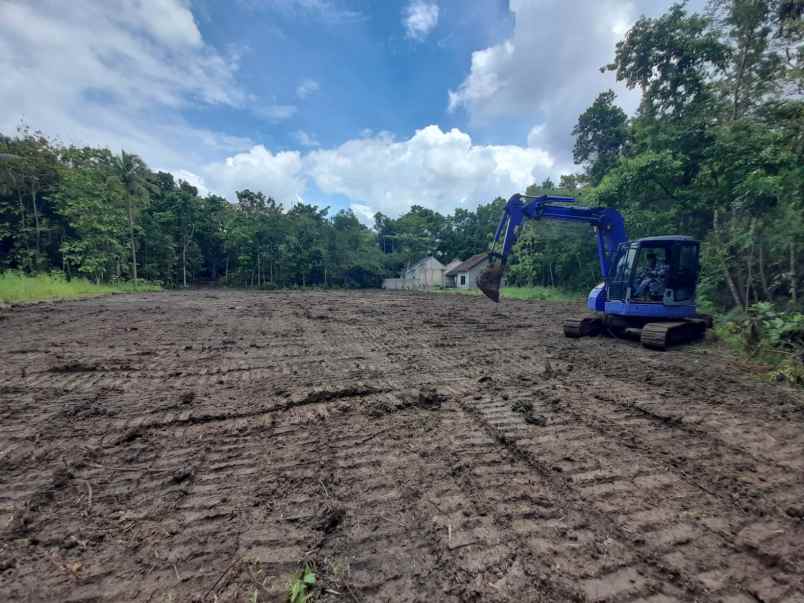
x: 583, y: 327
x: 661, y: 335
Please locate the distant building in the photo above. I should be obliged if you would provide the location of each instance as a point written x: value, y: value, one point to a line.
x: 427, y: 273
x: 464, y: 275
x: 449, y: 281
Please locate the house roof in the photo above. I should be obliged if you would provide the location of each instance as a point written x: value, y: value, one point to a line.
x: 467, y: 265
x: 423, y: 260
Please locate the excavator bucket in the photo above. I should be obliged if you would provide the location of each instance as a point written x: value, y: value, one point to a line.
x: 489, y: 281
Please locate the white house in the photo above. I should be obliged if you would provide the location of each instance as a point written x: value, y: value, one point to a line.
x: 464, y: 275
x: 427, y: 272
x: 424, y: 274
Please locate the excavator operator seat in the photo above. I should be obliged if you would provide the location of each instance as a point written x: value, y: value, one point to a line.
x: 655, y: 270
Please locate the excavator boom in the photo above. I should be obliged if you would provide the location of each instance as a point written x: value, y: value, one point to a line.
x: 607, y: 222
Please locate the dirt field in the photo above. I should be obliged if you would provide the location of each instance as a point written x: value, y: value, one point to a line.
x: 203, y: 445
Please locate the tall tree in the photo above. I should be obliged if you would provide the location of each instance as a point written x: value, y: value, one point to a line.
x: 671, y: 58
x: 600, y: 136
x: 132, y: 173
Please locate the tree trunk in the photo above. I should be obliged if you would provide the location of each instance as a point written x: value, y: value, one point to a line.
x: 721, y: 253
x: 793, y: 275
x: 184, y: 264
x: 131, y: 235
x: 737, y: 84
x: 36, y: 221
x: 24, y: 220
x: 186, y: 242
x: 763, y: 278
x: 749, y: 279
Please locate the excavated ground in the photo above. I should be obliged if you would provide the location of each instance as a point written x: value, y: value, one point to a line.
x: 204, y: 445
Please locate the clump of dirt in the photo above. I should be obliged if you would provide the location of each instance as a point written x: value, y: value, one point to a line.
x: 182, y: 474
x: 383, y: 407
x: 430, y: 398
x: 525, y: 407
x: 426, y: 398
x: 539, y: 420
x: 86, y: 409
x: 187, y: 397
x: 522, y: 406
x: 129, y: 436
x: 327, y: 395
x: 330, y: 520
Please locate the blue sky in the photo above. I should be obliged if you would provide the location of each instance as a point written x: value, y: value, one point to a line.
x: 369, y: 105
x: 366, y: 71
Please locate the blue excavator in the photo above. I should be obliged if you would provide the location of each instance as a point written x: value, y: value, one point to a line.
x: 648, y: 288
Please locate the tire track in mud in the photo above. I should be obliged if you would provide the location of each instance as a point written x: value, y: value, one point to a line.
x: 228, y: 439
x: 676, y: 537
x: 754, y: 554
x: 682, y: 530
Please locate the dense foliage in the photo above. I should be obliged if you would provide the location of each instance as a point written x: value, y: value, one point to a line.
x: 715, y: 151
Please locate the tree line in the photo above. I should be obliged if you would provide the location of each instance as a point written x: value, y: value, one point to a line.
x: 92, y: 213
x: 715, y: 151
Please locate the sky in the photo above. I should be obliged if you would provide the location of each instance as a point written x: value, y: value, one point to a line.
x: 372, y: 105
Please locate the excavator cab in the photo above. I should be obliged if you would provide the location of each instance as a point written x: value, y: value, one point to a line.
x: 662, y: 271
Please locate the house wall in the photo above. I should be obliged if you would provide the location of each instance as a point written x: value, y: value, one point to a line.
x: 396, y: 283
x: 471, y: 276
x: 449, y: 281
x: 428, y: 274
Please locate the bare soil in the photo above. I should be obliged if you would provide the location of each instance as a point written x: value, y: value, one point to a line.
x: 205, y: 445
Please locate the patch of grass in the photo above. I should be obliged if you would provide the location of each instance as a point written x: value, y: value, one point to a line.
x: 16, y: 287
x: 767, y: 335
x: 538, y: 293
x: 303, y: 582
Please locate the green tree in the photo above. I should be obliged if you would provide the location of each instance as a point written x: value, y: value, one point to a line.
x: 132, y: 172
x: 600, y: 136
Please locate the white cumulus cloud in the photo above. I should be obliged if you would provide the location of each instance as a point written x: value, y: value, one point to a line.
x: 419, y: 19
x: 436, y: 169
x: 193, y: 180
x: 548, y: 71
x: 113, y: 73
x: 278, y: 175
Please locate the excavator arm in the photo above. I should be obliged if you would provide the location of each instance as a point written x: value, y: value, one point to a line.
x: 607, y: 223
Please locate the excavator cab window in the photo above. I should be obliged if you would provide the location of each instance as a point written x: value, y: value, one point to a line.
x: 649, y: 279
x: 683, y: 273
x: 623, y: 265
